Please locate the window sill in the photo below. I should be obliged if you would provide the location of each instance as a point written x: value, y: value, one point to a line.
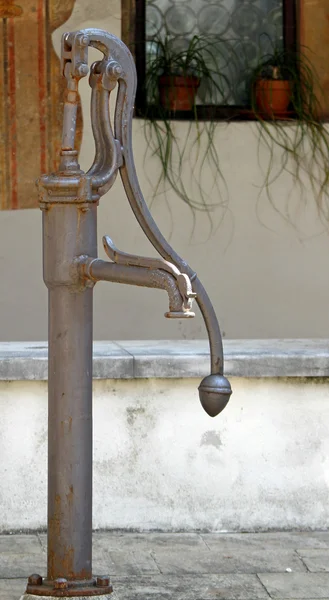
x: 176, y: 359
x: 210, y: 113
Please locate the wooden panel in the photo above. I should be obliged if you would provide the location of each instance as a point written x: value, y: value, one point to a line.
x: 128, y: 15
x: 314, y: 40
x: 31, y: 97
x: 24, y: 102
x: 4, y: 193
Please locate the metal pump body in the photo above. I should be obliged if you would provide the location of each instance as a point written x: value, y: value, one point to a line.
x: 69, y: 200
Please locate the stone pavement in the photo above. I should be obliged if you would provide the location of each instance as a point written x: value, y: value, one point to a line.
x: 188, y: 566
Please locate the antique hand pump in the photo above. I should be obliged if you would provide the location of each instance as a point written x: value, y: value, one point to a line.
x: 69, y: 200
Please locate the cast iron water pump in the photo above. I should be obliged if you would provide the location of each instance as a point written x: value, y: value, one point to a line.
x: 69, y: 200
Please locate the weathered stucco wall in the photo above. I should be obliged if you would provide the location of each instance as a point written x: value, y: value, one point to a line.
x: 266, y: 280
x: 161, y: 463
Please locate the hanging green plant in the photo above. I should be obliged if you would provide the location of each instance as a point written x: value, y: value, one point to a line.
x: 287, y: 110
x: 174, y: 74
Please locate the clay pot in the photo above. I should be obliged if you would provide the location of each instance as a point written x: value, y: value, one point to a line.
x: 177, y: 92
x: 272, y: 96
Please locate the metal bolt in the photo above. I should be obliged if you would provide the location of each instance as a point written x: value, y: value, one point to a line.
x: 35, y: 579
x: 83, y: 70
x: 103, y: 581
x: 113, y: 69
x: 61, y: 584
x: 118, y: 70
x: 84, y: 40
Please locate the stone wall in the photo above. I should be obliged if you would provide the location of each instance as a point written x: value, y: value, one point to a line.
x: 159, y: 461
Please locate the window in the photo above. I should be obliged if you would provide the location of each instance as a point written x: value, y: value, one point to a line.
x: 239, y: 33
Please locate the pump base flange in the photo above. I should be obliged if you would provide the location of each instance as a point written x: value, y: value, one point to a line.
x: 99, y: 597
x: 62, y: 588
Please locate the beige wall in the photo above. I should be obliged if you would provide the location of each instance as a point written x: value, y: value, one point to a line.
x: 266, y: 280
x: 249, y: 469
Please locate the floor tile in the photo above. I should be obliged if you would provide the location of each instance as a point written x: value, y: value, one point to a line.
x: 20, y: 556
x: 21, y: 565
x: 296, y: 585
x: 114, y: 540
x: 12, y: 589
x: 227, y: 559
x: 315, y: 559
x: 124, y: 562
x: 225, y: 587
x: 23, y: 544
x: 284, y: 539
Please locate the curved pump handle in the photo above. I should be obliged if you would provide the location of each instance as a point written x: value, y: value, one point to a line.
x: 113, y: 153
x: 104, y: 77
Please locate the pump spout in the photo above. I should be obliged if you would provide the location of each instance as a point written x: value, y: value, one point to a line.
x: 100, y: 270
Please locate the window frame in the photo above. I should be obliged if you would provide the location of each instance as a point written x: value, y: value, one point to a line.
x: 133, y: 34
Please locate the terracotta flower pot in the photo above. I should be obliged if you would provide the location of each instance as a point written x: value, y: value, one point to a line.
x: 273, y: 96
x: 178, y: 93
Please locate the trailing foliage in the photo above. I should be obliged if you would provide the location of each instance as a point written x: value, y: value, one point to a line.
x: 194, y: 146
x: 188, y: 156
x: 302, y: 136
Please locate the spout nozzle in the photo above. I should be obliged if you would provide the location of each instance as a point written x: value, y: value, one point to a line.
x: 214, y: 392
x: 183, y: 314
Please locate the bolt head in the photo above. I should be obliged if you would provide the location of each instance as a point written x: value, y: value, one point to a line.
x: 61, y: 584
x: 103, y: 581
x: 84, y: 40
x: 113, y: 69
x: 35, y: 579
x: 118, y: 70
x: 83, y: 70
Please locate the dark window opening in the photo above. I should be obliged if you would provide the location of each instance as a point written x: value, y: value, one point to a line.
x: 239, y: 34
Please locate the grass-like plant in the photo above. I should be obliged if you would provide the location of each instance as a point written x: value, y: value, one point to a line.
x: 300, y: 134
x: 193, y: 148
x: 188, y: 155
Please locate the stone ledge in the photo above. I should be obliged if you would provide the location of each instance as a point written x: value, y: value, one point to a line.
x: 176, y: 359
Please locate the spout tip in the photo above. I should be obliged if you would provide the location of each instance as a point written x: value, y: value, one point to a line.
x: 214, y: 392
x: 184, y: 314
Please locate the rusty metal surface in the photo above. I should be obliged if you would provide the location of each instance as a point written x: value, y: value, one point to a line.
x: 61, y: 588
x: 69, y: 200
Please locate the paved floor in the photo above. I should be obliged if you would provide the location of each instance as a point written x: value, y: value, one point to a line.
x: 179, y: 566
